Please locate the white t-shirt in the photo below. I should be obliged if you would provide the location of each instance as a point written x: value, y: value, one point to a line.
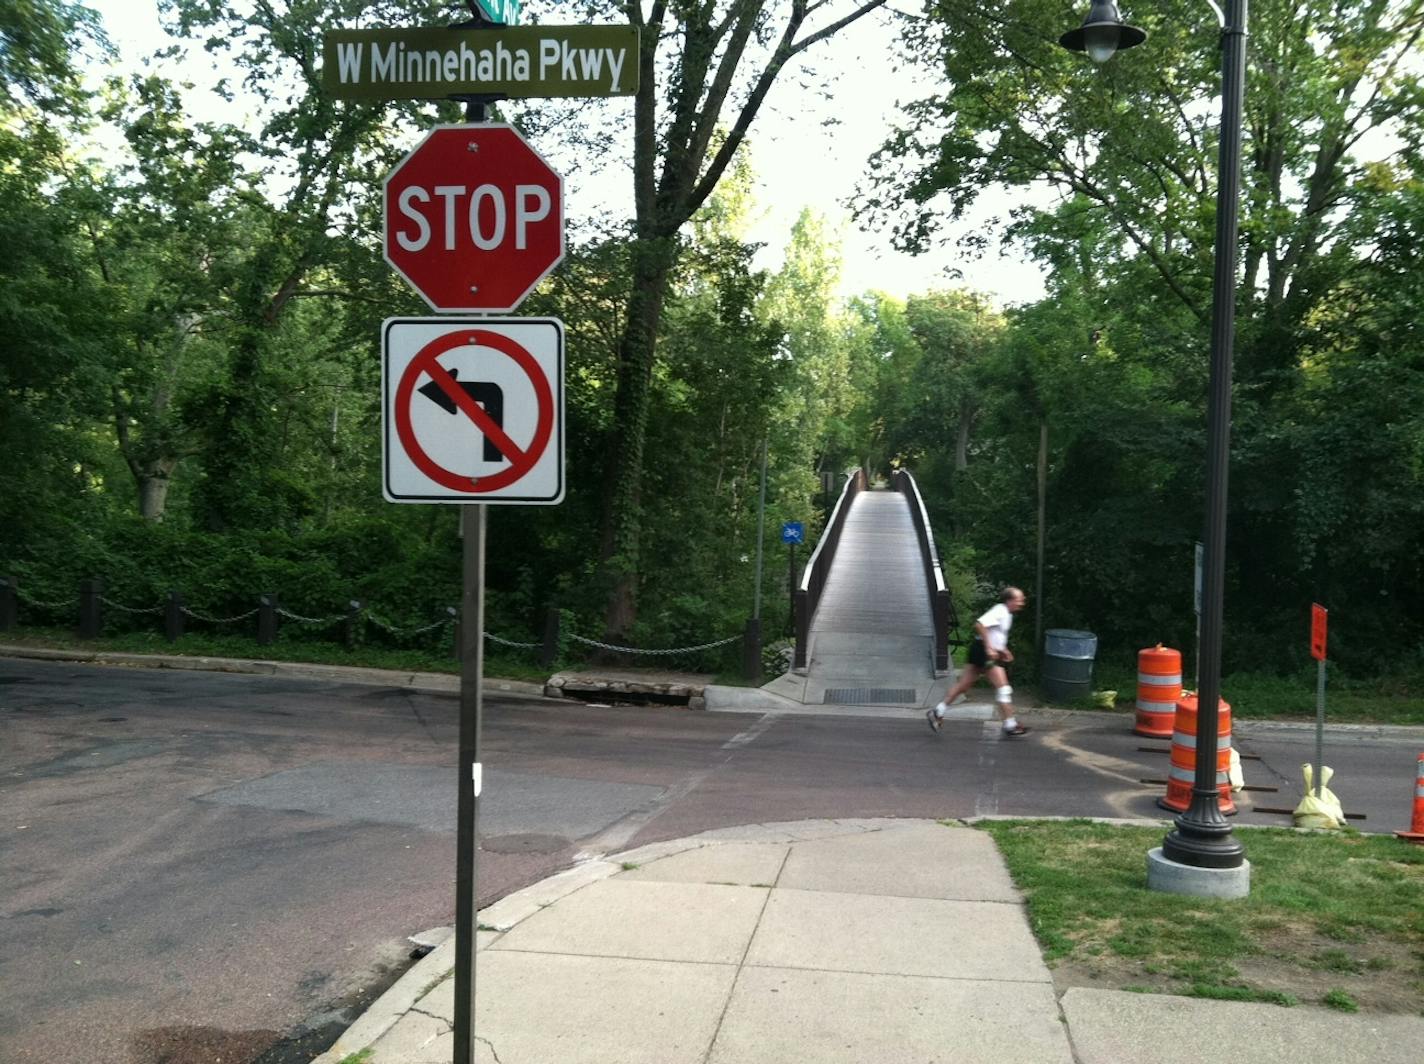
x: 997, y: 621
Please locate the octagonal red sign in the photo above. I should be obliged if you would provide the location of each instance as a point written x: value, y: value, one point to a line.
x: 474, y: 218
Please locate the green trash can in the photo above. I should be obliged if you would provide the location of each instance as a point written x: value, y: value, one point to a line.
x: 1068, y: 664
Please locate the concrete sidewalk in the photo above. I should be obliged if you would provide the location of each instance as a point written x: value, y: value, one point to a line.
x: 865, y: 941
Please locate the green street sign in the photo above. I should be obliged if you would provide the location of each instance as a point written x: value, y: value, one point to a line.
x: 505, y: 12
x: 426, y: 64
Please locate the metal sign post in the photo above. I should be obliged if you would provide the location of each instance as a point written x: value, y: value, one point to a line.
x: 761, y: 527
x: 1317, y: 651
x: 486, y: 426
x: 792, y: 533
x: 1197, y: 591
x: 472, y: 626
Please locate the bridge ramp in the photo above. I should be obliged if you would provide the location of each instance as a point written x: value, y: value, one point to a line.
x: 872, y: 638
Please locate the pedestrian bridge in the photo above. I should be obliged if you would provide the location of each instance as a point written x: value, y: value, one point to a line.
x: 873, y: 617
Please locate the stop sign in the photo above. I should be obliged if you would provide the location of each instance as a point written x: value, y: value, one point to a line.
x: 474, y: 218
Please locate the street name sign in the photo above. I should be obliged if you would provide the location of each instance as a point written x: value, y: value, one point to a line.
x: 518, y: 61
x: 504, y: 12
x: 473, y: 218
x: 473, y: 410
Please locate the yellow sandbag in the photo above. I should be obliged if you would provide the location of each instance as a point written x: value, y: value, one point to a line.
x: 1321, y: 812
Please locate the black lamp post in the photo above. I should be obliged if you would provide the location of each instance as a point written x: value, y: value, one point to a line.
x: 1202, y: 837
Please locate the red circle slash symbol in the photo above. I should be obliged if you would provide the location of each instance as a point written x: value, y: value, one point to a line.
x: 521, y: 461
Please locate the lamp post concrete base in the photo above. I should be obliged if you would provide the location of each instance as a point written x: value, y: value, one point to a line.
x: 1173, y: 877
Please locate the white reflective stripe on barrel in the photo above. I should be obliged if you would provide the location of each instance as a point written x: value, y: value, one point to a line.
x: 1186, y: 775
x: 1223, y: 742
x: 1419, y: 791
x: 1153, y: 679
x: 1157, y: 707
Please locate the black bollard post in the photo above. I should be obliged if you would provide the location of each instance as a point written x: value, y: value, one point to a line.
x: 173, y: 617
x: 91, y: 615
x: 751, y: 650
x: 9, y: 603
x: 351, y: 626
x: 267, y: 618
x: 549, y: 652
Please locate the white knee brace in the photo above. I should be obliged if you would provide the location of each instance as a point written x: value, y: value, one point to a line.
x: 1003, y: 694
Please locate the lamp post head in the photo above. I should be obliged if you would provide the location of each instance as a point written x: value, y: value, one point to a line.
x: 1102, y: 33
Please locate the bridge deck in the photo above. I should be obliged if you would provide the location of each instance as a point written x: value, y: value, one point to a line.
x: 872, y: 638
x: 877, y: 584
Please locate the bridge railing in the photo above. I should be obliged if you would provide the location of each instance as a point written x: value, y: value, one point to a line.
x: 941, y: 606
x: 813, y: 577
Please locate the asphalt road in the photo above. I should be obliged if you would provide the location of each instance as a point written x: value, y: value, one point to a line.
x: 197, y: 866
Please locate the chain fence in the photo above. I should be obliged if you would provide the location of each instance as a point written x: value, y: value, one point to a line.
x: 510, y: 642
x: 217, y: 620
x: 357, y: 613
x: 390, y: 628
x: 669, y: 651
x: 323, y: 621
x: 129, y: 609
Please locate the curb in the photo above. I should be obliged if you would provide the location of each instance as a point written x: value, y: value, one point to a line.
x: 430, y: 682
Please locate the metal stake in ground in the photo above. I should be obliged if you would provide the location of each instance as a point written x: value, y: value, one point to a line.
x: 1317, y: 651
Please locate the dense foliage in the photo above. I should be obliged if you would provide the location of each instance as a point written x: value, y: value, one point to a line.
x: 189, y: 387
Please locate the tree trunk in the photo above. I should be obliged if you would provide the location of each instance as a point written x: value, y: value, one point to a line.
x: 153, y: 489
x: 961, y: 442
x: 623, y: 477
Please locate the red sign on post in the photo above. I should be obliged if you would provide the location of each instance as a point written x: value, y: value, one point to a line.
x: 474, y: 218
x: 1317, y: 631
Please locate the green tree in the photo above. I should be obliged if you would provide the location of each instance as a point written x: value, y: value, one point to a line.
x: 52, y: 383
x: 315, y: 153
x: 704, y: 74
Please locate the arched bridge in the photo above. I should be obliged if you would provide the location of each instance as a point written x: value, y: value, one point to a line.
x: 874, y: 619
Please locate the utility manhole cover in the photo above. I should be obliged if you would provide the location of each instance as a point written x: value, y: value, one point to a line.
x: 868, y: 696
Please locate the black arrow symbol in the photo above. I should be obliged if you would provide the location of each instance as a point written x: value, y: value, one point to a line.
x: 489, y: 395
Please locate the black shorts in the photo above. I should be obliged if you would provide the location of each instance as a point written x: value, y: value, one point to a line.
x: 978, y: 655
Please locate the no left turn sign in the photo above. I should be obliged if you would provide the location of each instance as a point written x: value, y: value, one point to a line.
x: 473, y: 410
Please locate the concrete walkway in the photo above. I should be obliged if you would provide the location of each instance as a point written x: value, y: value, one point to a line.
x: 817, y: 942
x: 872, y: 638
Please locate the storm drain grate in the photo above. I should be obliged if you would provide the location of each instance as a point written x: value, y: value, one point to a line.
x: 868, y: 696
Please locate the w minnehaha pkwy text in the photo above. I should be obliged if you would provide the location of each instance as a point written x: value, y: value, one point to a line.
x: 523, y: 61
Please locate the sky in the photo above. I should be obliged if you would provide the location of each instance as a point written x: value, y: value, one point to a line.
x: 801, y: 160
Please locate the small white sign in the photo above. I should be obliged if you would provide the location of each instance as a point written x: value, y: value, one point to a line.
x: 473, y: 410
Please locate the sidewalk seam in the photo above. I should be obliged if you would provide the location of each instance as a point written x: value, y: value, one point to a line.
x: 1067, y: 1027
x: 618, y: 957
x: 742, y: 964
x: 901, y: 975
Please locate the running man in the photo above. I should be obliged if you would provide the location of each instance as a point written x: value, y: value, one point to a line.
x: 988, y: 655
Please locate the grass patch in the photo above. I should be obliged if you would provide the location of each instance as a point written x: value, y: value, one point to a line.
x: 1338, y: 999
x: 361, y: 1056
x: 1326, y: 912
x: 1242, y: 993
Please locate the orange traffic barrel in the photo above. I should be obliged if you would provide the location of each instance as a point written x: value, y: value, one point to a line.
x: 1159, y: 685
x: 1182, y: 772
x: 1416, y: 827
